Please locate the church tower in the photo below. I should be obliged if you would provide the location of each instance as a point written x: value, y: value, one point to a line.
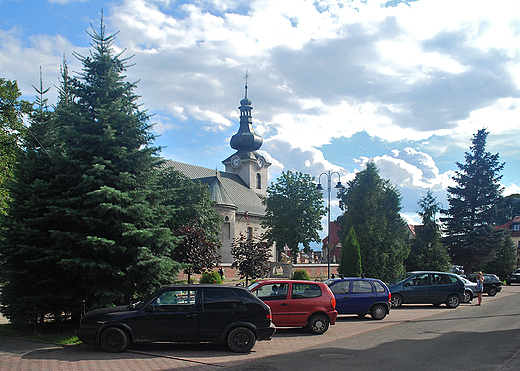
x: 248, y: 164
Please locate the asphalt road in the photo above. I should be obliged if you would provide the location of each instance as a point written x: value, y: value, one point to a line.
x: 411, y: 338
x: 471, y: 338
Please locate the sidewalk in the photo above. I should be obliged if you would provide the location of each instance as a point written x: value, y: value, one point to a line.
x: 26, y: 355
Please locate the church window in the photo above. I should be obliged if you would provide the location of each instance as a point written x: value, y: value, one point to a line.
x: 226, y: 231
x: 249, y: 232
x: 258, y: 181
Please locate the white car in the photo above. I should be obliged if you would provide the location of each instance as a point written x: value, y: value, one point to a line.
x: 470, y: 290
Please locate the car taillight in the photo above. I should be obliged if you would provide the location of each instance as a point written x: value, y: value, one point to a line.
x: 269, y: 316
x: 333, y: 302
x: 389, y: 297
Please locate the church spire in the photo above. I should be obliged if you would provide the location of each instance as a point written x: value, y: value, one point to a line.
x: 246, y: 139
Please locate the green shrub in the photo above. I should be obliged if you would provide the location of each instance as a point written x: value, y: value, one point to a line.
x: 212, y: 277
x: 301, y: 274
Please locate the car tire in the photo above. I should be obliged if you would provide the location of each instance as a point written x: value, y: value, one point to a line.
x: 492, y: 291
x: 241, y: 340
x: 378, y: 312
x: 318, y: 324
x: 396, y: 301
x: 114, y: 340
x: 453, y: 301
x: 468, y: 296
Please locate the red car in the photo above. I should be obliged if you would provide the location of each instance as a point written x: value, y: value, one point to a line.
x: 298, y: 303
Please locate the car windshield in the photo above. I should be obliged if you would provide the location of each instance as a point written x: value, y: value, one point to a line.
x: 330, y: 281
x: 400, y: 279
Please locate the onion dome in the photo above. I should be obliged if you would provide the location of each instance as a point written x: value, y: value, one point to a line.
x: 246, y: 139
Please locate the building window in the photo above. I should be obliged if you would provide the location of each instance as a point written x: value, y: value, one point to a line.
x: 515, y: 227
x: 226, y: 231
x: 258, y: 181
x: 249, y: 232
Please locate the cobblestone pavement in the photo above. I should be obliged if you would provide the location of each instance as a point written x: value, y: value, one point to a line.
x: 26, y: 355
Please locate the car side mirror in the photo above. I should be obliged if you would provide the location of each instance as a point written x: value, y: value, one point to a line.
x: 150, y: 308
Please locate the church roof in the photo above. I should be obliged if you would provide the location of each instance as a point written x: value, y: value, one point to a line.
x: 226, y: 189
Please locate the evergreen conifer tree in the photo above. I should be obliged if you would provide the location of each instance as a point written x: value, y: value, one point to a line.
x: 90, y: 225
x: 469, y: 221
x: 350, y: 260
x: 427, y: 252
x: 372, y: 207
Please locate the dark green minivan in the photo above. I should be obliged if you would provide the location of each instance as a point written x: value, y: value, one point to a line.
x: 427, y: 287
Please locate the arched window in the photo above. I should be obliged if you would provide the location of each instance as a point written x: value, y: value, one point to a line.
x: 249, y: 232
x: 258, y: 181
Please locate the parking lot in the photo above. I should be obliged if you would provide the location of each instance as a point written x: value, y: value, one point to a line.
x: 24, y: 355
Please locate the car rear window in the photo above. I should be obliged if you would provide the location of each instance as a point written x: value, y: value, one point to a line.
x: 378, y: 286
x: 221, y: 299
x: 305, y: 291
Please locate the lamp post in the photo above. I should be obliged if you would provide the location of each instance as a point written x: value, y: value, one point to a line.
x: 329, y: 175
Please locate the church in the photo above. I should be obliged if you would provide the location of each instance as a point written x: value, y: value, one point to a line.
x: 237, y: 191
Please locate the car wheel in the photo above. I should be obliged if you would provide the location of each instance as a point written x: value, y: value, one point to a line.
x: 492, y: 291
x: 468, y: 296
x: 241, y: 340
x: 396, y: 301
x: 114, y: 340
x: 508, y: 282
x: 318, y: 324
x: 453, y: 301
x: 378, y: 312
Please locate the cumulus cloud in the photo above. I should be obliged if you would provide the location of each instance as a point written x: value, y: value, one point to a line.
x: 413, y: 76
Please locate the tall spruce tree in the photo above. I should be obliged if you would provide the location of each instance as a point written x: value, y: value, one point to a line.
x: 372, y: 206
x: 427, y: 252
x: 469, y: 221
x: 99, y: 231
x: 28, y: 257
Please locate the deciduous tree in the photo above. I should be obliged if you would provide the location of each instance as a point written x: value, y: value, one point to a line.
x: 195, y: 251
x: 293, y: 212
x: 251, y: 257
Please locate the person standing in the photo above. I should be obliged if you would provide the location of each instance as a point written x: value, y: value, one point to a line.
x: 480, y: 287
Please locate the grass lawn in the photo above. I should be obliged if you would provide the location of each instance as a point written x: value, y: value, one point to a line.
x: 59, y: 337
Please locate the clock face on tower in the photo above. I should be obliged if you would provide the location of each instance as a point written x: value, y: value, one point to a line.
x: 235, y: 161
x: 260, y: 162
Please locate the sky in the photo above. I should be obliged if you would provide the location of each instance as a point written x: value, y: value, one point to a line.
x: 333, y: 83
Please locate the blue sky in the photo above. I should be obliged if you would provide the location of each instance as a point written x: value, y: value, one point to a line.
x: 333, y: 83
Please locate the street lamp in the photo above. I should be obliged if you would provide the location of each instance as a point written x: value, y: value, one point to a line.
x: 329, y: 175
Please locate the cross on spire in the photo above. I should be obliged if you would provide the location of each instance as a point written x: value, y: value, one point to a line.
x: 245, y: 78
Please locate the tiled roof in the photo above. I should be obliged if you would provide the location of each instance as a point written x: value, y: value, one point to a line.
x: 226, y: 189
x: 515, y: 220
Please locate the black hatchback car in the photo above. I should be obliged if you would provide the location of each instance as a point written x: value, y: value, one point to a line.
x: 492, y: 284
x: 183, y: 313
x: 513, y: 277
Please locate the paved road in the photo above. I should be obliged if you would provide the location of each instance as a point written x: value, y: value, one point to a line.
x: 25, y: 355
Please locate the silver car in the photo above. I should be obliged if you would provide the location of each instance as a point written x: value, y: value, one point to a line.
x: 470, y: 290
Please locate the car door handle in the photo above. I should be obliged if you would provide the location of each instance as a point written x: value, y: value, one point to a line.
x: 284, y: 305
